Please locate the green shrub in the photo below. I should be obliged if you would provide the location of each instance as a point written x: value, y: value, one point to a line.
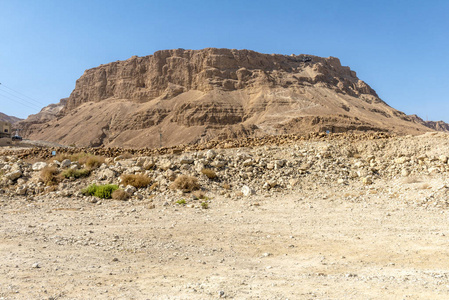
x: 204, y: 205
x: 71, y: 173
x: 181, y: 202
x: 100, y: 191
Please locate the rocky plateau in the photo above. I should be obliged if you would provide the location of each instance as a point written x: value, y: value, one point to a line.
x: 193, y: 96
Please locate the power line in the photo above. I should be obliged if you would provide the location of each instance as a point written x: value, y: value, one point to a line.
x: 34, y: 100
x: 20, y: 98
x: 22, y: 103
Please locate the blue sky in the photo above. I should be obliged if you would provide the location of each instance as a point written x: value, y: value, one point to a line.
x: 400, y: 48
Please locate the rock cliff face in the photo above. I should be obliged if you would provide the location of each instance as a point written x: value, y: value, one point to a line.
x: 186, y: 96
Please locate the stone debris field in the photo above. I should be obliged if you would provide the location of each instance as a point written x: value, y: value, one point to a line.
x: 324, y: 218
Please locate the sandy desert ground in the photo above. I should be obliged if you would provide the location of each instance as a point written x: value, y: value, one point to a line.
x: 341, y: 243
x: 326, y: 238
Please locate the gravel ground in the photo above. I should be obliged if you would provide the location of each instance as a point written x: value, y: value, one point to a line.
x: 382, y: 241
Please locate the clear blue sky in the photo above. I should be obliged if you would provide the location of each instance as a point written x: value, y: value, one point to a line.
x: 400, y: 48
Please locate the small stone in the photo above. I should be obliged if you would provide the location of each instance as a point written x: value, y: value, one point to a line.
x: 210, y: 154
x: 247, y: 191
x: 39, y: 166
x: 186, y: 160
x: 130, y: 190
x: 66, y: 163
x: 35, y: 266
x: 14, y: 175
x: 367, y: 180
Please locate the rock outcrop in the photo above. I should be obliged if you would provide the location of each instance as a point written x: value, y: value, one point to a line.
x: 189, y: 96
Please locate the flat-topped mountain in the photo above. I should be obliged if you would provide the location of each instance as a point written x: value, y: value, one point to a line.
x: 186, y: 96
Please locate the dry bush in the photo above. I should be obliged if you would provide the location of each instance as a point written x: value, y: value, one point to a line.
x: 136, y: 180
x: 71, y: 173
x: 209, y: 173
x: 185, y: 183
x: 226, y: 186
x: 154, y: 186
x: 199, y: 194
x: 59, y: 157
x: 120, y: 195
x: 49, y: 175
x: 92, y: 161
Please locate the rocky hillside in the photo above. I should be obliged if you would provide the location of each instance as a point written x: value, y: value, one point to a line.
x: 10, y: 119
x: 189, y: 96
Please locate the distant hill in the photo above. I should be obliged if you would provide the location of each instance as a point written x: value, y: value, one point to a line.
x: 190, y: 96
x: 435, y: 125
x: 10, y: 119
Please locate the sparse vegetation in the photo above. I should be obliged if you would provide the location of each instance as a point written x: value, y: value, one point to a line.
x: 204, y: 205
x: 181, y: 202
x: 136, y: 180
x: 91, y: 161
x: 226, y: 186
x: 186, y: 183
x: 49, y: 175
x: 120, y: 195
x: 154, y: 186
x: 209, y: 173
x: 72, y: 173
x: 100, y: 191
x: 199, y: 194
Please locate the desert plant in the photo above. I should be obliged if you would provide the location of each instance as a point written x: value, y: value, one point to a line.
x: 209, y: 173
x: 136, y: 180
x: 181, y: 202
x: 185, y: 183
x: 72, y: 173
x: 199, y: 194
x: 226, y: 186
x: 204, y: 205
x: 100, y: 191
x: 92, y: 161
x: 120, y: 195
x: 154, y: 186
x: 49, y: 175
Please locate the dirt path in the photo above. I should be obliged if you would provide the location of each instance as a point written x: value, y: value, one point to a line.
x: 344, y: 242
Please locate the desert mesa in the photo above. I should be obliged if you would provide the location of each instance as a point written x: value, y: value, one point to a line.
x: 193, y: 96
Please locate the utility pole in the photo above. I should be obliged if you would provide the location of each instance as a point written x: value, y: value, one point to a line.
x: 160, y: 137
